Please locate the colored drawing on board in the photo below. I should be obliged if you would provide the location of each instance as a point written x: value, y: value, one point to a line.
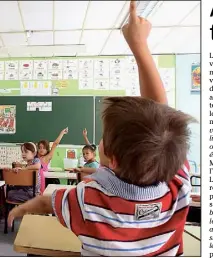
x: 7, y: 119
x: 195, y: 70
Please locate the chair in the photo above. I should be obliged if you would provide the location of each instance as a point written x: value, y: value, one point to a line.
x: 194, y: 215
x: 22, y: 178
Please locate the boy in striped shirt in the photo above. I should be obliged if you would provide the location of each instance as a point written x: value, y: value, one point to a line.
x: 137, y: 202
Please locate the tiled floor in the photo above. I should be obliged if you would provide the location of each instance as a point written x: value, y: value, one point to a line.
x: 7, y: 240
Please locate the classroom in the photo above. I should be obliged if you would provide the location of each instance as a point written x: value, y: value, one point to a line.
x: 73, y: 128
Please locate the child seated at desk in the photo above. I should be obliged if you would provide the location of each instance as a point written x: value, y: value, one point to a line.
x: 91, y: 165
x: 137, y: 204
x: 24, y: 193
x: 45, y: 155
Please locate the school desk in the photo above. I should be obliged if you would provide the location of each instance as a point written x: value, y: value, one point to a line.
x: 191, y: 246
x: 71, y: 177
x: 52, y: 187
x: 194, y: 204
x: 45, y: 236
x: 55, y: 169
x: 193, y: 231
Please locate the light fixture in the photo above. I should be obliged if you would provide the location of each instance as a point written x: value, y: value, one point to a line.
x: 144, y: 9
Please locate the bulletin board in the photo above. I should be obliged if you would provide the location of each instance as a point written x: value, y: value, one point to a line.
x: 80, y: 76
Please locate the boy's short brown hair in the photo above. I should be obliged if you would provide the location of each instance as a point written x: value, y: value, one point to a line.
x: 149, y: 140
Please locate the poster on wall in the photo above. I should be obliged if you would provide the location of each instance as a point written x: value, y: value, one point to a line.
x: 167, y: 77
x: 7, y: 119
x: 195, y: 73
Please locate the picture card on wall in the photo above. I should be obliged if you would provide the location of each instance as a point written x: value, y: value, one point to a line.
x: 11, y: 75
x: 167, y: 77
x: 85, y: 74
x: 42, y: 88
x: 40, y: 64
x: 11, y: 65
x: 1, y: 75
x: 101, y: 68
x: 118, y: 63
x: 26, y: 74
x: 25, y: 65
x: 133, y: 87
x: 117, y: 83
x: 54, y: 64
x: 86, y: 84
x: 55, y: 75
x: 40, y: 74
x: 86, y: 64
x: 1, y: 65
x: 101, y: 84
x: 70, y: 74
x: 71, y: 63
x: 25, y: 88
x: 45, y: 106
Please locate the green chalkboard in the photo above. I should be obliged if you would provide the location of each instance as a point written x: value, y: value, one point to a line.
x: 74, y: 112
x: 98, y: 121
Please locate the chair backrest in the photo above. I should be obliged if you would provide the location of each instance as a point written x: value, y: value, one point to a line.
x: 21, y: 178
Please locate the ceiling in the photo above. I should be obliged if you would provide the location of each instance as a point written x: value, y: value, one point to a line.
x: 95, y: 24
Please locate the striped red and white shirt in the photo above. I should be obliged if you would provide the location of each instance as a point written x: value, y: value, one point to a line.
x: 113, y: 218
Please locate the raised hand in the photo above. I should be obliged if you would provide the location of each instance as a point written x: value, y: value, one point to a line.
x: 65, y: 131
x: 85, y: 132
x: 137, y: 30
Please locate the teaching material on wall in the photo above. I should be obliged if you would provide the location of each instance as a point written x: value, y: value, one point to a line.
x: 40, y: 106
x: 167, y: 77
x: 132, y: 81
x: 35, y: 88
x: 70, y: 69
x: 117, y: 73
x: 195, y: 73
x: 71, y: 153
x: 7, y: 119
x: 84, y: 76
x: 9, y: 154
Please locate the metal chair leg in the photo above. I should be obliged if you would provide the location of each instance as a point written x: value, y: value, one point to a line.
x: 5, y: 218
x: 13, y: 226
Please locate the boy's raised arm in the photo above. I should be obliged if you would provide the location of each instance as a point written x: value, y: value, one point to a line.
x: 136, y: 33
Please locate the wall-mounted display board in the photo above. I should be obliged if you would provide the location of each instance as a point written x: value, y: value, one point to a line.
x: 80, y: 76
